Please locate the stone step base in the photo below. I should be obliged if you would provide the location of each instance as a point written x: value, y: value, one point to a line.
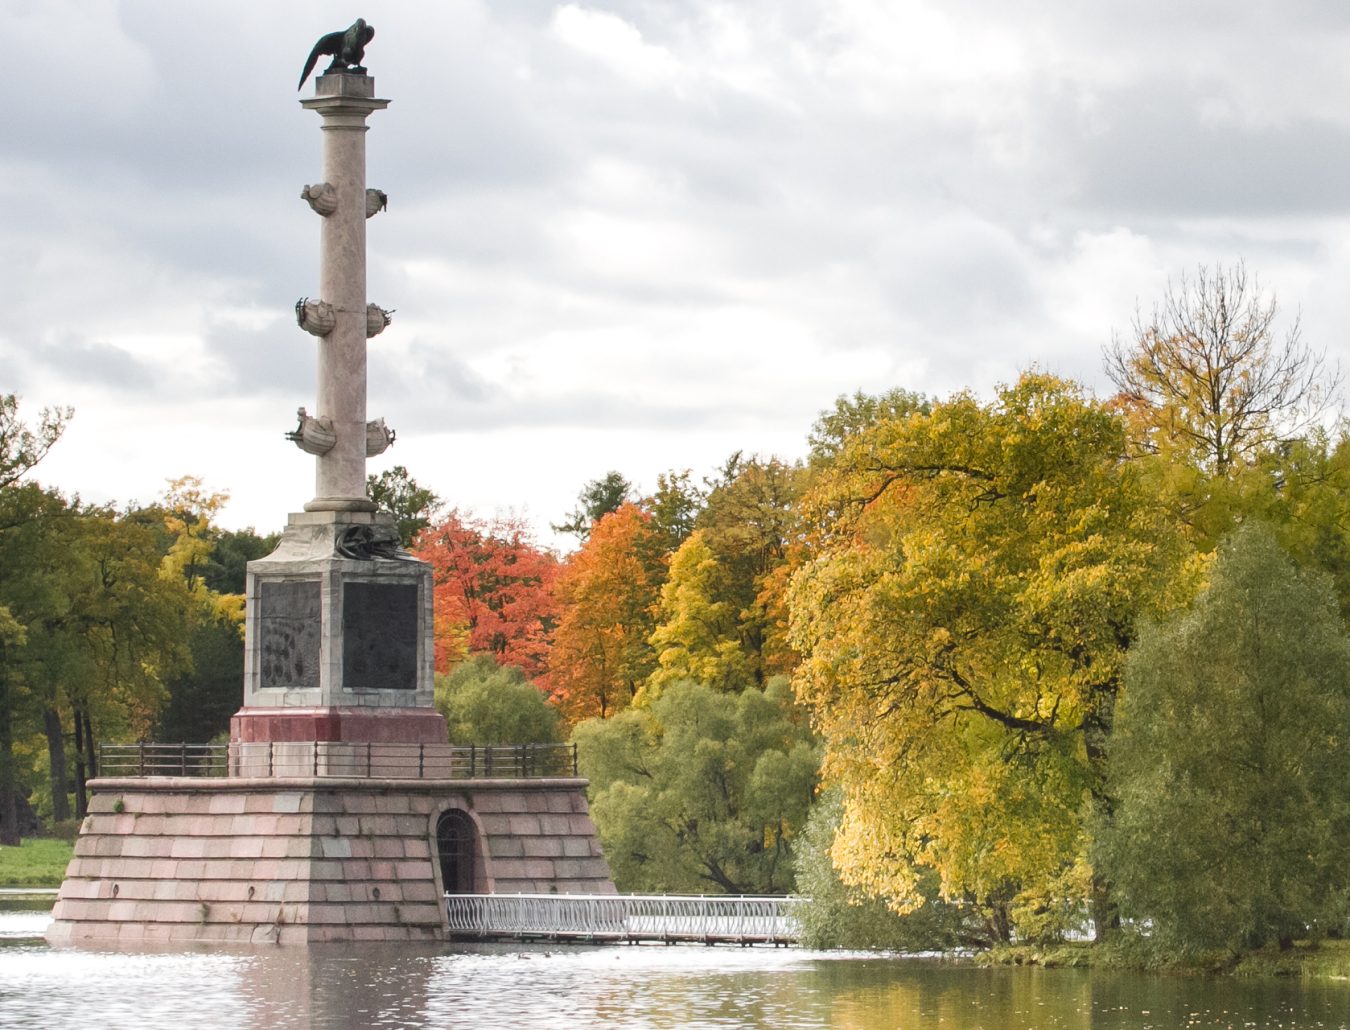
x: 309, y: 860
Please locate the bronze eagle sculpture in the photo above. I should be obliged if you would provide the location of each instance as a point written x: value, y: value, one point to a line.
x: 347, y: 47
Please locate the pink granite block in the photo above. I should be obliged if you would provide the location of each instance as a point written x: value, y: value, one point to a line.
x: 420, y: 890
x: 413, y: 870
x: 301, y: 847
x: 388, y: 847
x: 411, y: 825
x: 391, y: 893
x: 327, y: 869
x: 296, y: 891
x: 505, y: 847
x: 557, y: 825
x: 191, y: 869
x: 275, y: 847
x: 539, y: 868
x: 361, y: 847
x: 395, y: 804
x: 536, y: 802
x: 329, y: 913
x: 85, y: 845
x: 341, y: 892
x: 524, y: 825
x: 246, y: 847
x: 542, y: 847
x: 286, y: 802
x: 558, y: 803
x: 358, y: 869
x: 381, y: 870
x: 420, y: 914
x: 226, y: 804
x: 576, y: 847
x: 370, y: 933
x: 102, y: 803
x: 417, y: 847
x: 336, y: 847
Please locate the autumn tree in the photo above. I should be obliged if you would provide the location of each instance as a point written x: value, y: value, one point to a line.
x: 1231, y: 762
x: 701, y: 790
x: 1208, y: 375
x: 980, y: 572
x: 852, y: 415
x: 597, y: 499
x: 607, y: 593
x: 697, y: 638
x: 413, y: 506
x: 493, y: 591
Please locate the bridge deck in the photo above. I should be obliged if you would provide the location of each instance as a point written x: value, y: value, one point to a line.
x: 624, y: 918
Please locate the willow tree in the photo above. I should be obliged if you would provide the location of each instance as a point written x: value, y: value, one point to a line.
x: 980, y: 571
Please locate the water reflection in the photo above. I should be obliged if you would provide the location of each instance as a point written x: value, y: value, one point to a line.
x: 694, y: 987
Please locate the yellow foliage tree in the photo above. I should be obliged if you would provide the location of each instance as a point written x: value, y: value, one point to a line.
x: 980, y: 570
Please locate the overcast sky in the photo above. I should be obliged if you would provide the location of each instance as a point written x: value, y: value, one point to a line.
x: 634, y: 235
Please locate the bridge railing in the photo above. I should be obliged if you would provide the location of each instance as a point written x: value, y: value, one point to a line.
x: 628, y: 917
x: 340, y: 759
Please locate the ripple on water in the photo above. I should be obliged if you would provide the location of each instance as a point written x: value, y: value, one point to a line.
x: 623, y: 987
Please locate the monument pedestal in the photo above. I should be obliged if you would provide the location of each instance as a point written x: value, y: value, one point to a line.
x: 338, y: 639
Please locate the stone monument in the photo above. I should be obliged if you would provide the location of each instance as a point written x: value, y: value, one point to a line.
x: 338, y: 630
x: 342, y: 812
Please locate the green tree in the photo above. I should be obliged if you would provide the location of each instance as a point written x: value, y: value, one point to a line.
x: 597, y: 499
x: 703, y: 789
x: 1230, y: 764
x: 414, y: 507
x: 21, y: 449
x: 487, y: 703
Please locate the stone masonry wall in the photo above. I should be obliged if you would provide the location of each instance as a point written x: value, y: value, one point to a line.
x: 305, y: 860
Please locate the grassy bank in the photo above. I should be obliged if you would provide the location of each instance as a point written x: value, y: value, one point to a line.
x: 1322, y: 960
x: 35, y: 863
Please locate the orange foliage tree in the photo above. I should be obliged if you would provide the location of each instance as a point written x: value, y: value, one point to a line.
x: 607, y: 594
x: 493, y: 591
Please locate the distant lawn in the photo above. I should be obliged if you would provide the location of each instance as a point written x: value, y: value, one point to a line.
x: 35, y: 863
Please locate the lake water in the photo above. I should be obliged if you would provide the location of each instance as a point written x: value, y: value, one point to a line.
x: 619, y: 987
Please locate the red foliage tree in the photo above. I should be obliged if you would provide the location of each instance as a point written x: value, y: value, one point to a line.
x: 493, y: 591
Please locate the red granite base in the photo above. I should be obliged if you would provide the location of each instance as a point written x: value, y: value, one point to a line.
x: 349, y: 725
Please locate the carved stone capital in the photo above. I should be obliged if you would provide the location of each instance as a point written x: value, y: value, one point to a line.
x: 315, y: 317
x: 321, y: 197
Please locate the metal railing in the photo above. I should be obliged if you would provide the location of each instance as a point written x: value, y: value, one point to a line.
x: 707, y: 919
x: 340, y: 759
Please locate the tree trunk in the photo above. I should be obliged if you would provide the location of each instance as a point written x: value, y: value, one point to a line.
x: 56, y: 756
x: 81, y: 767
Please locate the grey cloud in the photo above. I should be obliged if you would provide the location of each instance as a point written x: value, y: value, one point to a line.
x: 91, y: 361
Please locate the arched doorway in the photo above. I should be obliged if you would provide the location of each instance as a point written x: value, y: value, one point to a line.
x: 456, y: 841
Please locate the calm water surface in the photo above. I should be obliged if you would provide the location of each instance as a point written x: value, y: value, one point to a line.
x: 648, y: 986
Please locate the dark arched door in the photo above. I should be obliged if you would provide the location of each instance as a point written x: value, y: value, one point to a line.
x: 455, y: 839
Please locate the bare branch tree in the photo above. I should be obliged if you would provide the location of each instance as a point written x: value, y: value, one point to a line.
x: 1208, y: 372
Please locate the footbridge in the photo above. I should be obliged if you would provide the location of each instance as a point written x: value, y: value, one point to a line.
x: 624, y: 918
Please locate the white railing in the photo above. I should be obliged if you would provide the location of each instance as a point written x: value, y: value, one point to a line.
x: 629, y: 917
